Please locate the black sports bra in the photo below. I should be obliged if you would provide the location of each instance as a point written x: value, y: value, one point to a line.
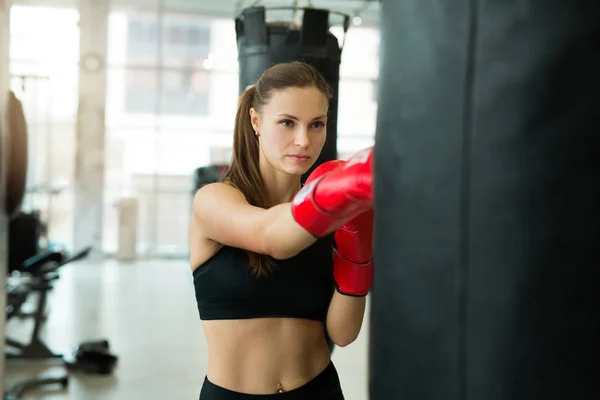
x: 300, y: 287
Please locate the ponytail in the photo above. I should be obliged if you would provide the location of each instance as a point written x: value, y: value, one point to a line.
x: 244, y: 171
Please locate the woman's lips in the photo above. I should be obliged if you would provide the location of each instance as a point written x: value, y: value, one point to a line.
x: 299, y: 158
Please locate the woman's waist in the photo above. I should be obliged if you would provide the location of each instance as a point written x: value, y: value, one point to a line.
x: 269, y: 332
x: 261, y: 360
x: 324, y: 385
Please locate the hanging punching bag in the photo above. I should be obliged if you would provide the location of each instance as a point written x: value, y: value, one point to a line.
x: 488, y: 201
x: 262, y: 45
x: 16, y: 154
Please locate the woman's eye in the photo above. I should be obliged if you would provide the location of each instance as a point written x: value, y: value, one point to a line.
x: 318, y: 124
x: 287, y: 123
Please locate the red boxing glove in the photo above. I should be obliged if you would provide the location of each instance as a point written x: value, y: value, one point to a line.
x: 334, y: 195
x: 353, y: 256
x: 323, y: 169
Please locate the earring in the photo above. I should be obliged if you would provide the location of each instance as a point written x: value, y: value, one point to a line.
x: 256, y: 133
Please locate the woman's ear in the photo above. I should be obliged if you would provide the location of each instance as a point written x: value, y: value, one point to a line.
x: 255, y: 119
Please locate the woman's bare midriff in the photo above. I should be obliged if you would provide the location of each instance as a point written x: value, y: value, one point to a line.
x: 261, y: 356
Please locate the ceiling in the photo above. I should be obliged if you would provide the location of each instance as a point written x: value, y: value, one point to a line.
x: 368, y: 10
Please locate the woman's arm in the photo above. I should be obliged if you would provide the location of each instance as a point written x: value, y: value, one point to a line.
x: 224, y: 215
x: 344, y: 318
x: 353, y: 274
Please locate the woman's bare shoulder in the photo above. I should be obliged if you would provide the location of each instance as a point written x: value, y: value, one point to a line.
x: 215, y: 194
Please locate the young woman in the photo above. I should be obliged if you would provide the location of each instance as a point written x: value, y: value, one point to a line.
x: 269, y: 282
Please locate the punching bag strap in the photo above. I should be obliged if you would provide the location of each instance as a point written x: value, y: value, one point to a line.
x: 315, y: 24
x: 254, y: 27
x: 313, y: 36
x: 346, y: 26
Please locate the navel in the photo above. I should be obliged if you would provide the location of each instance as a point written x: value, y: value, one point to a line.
x: 280, y: 388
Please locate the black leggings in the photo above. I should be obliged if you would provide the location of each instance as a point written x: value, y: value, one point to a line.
x: 325, y: 386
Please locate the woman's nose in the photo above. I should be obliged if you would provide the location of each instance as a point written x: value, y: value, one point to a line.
x: 301, y: 138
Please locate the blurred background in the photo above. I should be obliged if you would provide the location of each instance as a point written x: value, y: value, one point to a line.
x: 125, y: 101
x: 171, y: 94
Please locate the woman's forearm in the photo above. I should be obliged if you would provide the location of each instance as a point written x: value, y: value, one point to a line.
x: 344, y: 318
x: 283, y: 237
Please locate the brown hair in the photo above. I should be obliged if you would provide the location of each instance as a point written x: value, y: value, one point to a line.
x: 244, y: 173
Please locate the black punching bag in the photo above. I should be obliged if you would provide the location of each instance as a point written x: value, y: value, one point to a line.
x: 488, y: 201
x: 262, y: 45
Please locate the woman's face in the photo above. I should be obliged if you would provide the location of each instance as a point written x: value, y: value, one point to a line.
x: 292, y: 129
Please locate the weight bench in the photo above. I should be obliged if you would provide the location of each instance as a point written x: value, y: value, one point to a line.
x: 36, y: 276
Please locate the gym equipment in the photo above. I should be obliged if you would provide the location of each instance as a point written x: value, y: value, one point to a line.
x: 262, y: 44
x: 20, y: 388
x: 16, y: 154
x: 92, y: 357
x: 35, y: 277
x: 25, y: 230
x: 42, y: 272
x: 38, y: 264
x: 487, y: 201
x: 335, y: 196
x: 209, y: 174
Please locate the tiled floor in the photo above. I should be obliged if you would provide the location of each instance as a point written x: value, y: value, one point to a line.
x: 148, y: 313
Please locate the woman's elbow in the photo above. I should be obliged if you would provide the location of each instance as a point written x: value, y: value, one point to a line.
x: 344, y: 339
x: 344, y: 343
